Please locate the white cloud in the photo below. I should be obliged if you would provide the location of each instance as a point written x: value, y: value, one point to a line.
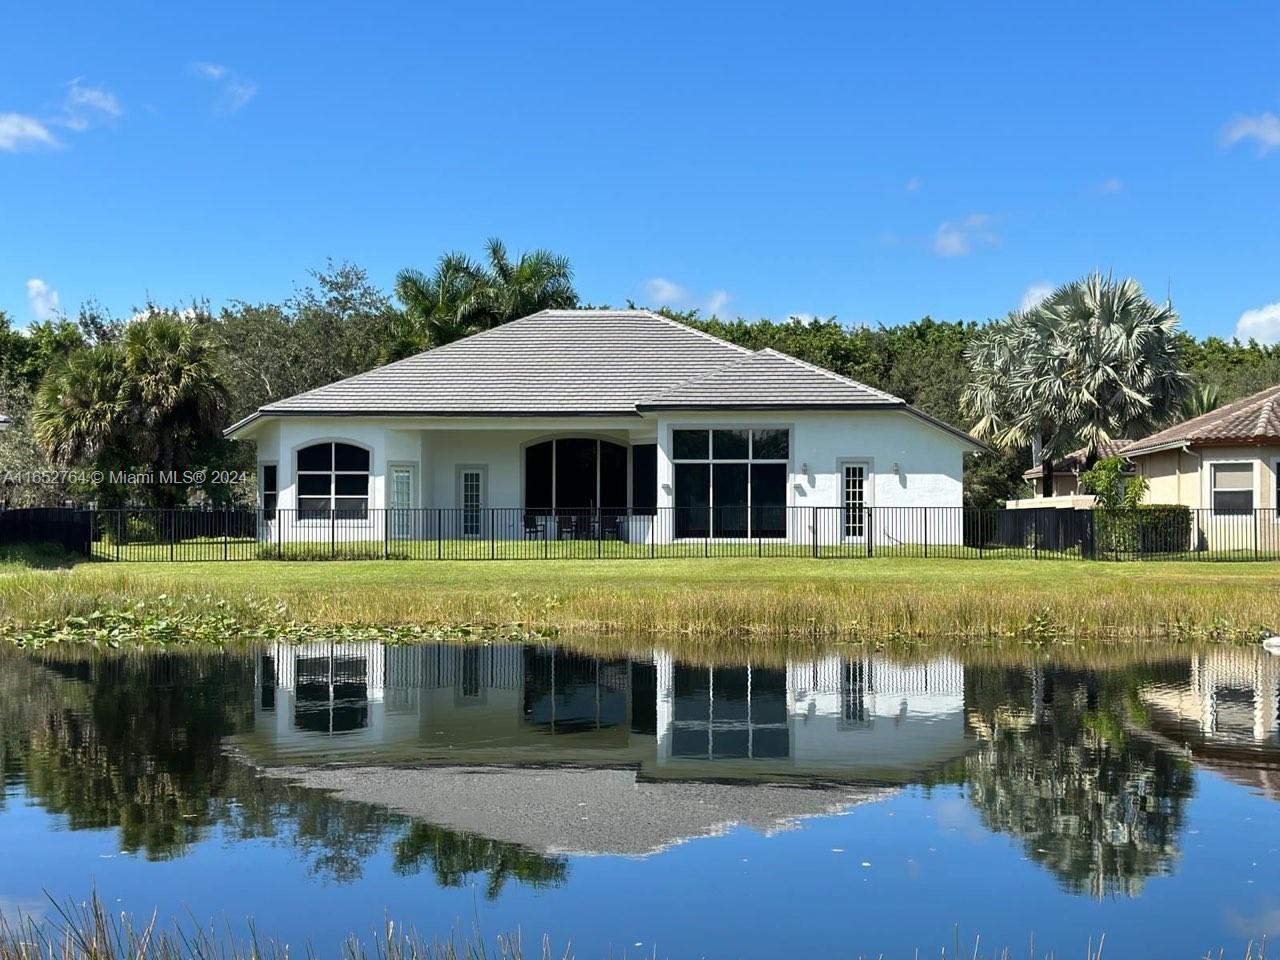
x: 1264, y: 129
x: 1109, y: 185
x: 1262, y: 324
x: 716, y: 302
x: 662, y: 292
x: 18, y: 131
x: 81, y: 97
x: 237, y: 93
x: 912, y: 185
x: 956, y: 238
x: 1034, y: 294
x: 43, y: 298
x: 234, y: 91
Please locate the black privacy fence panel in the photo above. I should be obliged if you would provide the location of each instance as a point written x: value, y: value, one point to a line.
x: 70, y: 529
x: 1147, y: 533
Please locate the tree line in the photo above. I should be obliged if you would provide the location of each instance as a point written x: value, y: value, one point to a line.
x: 1095, y: 360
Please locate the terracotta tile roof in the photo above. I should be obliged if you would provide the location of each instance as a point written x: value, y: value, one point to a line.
x: 1254, y: 419
x: 1074, y: 461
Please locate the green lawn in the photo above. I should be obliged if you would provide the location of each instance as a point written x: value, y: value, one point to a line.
x: 776, y: 596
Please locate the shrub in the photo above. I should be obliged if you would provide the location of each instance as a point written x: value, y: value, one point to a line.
x: 1154, y: 528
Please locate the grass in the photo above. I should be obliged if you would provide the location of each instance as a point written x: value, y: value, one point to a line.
x: 87, y: 931
x: 885, y: 598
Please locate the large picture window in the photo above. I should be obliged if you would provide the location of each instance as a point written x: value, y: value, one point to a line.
x: 731, y: 482
x: 333, y: 478
x: 1232, y: 487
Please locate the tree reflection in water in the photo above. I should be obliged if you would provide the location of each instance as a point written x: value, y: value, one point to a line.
x: 1063, y: 762
x: 136, y: 744
x: 1067, y: 769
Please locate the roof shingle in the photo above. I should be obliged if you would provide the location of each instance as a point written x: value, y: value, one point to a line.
x: 768, y: 378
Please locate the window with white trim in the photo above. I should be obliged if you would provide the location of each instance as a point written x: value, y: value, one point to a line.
x: 731, y: 482
x: 333, y: 479
x: 1231, y: 487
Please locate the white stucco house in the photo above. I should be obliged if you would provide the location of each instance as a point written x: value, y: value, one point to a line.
x: 550, y: 423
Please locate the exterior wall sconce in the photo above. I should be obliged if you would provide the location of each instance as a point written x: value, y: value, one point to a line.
x: 896, y: 469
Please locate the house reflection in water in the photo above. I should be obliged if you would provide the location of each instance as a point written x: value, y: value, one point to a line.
x: 863, y: 718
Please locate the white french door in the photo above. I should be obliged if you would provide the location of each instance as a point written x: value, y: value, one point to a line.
x: 401, y: 501
x: 854, y: 500
x: 471, y: 482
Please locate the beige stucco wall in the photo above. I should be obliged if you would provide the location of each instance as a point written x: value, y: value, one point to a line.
x: 1182, y: 476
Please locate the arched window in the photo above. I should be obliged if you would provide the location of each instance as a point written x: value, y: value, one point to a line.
x: 333, y: 478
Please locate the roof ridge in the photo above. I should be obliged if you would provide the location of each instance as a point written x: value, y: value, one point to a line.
x: 714, y: 371
x: 848, y: 381
x: 702, y: 333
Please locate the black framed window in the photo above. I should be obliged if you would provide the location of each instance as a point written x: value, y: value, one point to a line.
x: 644, y: 479
x: 731, y: 482
x: 333, y: 479
x: 573, y: 475
x: 270, y: 490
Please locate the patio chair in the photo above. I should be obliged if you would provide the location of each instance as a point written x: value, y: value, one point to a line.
x: 567, y: 528
x: 535, y: 527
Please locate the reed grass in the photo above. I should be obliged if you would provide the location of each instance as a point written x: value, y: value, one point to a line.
x: 742, y: 599
x: 88, y: 931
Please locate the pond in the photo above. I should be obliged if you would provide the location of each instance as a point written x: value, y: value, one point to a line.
x: 849, y: 803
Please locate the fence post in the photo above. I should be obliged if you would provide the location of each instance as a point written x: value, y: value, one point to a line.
x: 386, y: 533
x: 493, y: 536
x: 653, y: 533
x: 439, y: 530
x: 926, y: 531
x: 813, y: 523
x: 278, y: 517
x: 226, y: 536
x: 869, y: 531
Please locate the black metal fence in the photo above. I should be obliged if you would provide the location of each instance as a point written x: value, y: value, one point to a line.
x: 1155, y: 533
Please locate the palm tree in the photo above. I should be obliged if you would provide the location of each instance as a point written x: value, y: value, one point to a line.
x: 153, y: 400
x: 1093, y: 362
x: 176, y: 396
x: 463, y: 297
x: 80, y: 405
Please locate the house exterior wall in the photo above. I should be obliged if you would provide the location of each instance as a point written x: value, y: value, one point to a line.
x: 910, y: 462
x: 1184, y: 476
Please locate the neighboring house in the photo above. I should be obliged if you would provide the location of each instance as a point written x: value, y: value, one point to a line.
x: 4, y: 422
x: 1066, y: 480
x: 1224, y: 461
x: 617, y: 412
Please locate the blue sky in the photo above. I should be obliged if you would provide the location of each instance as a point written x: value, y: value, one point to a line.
x: 876, y: 162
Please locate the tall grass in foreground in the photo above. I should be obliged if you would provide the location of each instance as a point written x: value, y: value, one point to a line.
x: 750, y: 599
x: 87, y: 931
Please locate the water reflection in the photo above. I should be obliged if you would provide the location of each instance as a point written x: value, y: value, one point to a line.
x: 496, y: 760
x: 842, y: 719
